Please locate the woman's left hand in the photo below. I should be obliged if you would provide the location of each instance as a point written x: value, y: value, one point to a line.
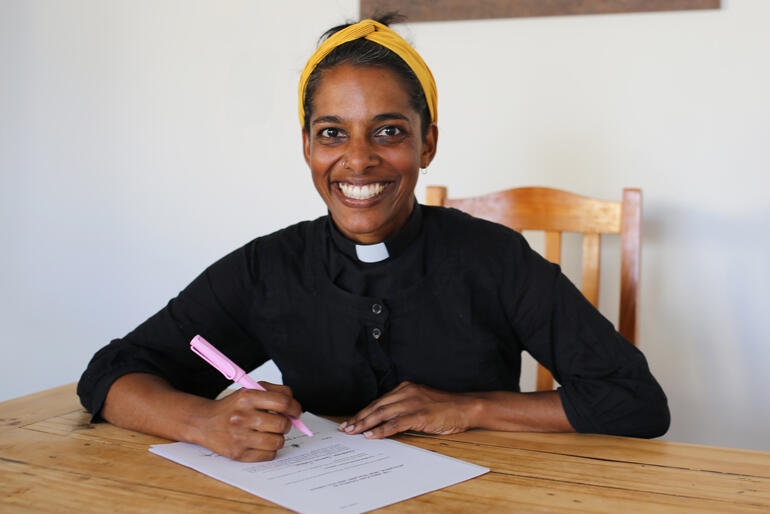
x: 414, y: 407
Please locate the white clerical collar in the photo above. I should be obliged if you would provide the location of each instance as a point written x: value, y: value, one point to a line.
x: 390, y: 248
x: 372, y: 253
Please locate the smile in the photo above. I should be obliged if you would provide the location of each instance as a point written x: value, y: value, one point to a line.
x: 361, y: 192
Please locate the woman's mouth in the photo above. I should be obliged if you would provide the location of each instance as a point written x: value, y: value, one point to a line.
x: 363, y: 191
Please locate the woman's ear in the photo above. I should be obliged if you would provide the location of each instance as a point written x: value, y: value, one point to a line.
x: 429, y: 146
x: 306, y: 146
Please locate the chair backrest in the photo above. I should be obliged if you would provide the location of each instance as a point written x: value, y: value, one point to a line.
x: 555, y: 211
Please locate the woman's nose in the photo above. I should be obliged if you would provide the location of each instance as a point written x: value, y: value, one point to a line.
x: 360, y: 155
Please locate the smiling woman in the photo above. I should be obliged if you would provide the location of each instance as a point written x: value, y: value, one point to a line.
x: 396, y: 315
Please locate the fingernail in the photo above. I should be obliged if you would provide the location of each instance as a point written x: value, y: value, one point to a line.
x: 368, y: 433
x: 350, y: 428
x: 342, y: 425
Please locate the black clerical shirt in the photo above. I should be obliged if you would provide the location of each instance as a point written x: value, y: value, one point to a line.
x: 453, y: 306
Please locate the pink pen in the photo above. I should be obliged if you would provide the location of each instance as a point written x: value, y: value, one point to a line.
x: 232, y: 372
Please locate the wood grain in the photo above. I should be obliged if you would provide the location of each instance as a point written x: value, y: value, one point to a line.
x: 34, y: 407
x: 498, y: 492
x: 542, y: 208
x: 553, y: 246
x: 726, y: 488
x: 450, y: 10
x: 652, y: 452
x: 591, y: 262
x: 544, y: 379
x: 26, y: 488
x: 110, y: 460
x: 62, y: 463
x: 630, y: 262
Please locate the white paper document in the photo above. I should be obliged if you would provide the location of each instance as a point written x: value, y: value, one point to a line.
x: 331, y: 472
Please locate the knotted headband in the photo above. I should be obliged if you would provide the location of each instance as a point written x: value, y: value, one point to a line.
x: 383, y: 35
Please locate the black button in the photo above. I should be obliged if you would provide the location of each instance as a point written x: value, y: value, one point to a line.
x: 376, y: 333
x: 376, y: 308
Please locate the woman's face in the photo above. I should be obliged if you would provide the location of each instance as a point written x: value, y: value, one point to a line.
x: 365, y: 149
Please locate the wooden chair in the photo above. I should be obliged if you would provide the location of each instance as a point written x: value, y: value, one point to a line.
x: 555, y: 211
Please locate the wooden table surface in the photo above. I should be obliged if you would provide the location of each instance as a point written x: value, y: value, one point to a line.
x: 53, y: 460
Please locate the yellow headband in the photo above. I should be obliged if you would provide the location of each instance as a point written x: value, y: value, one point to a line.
x: 381, y: 34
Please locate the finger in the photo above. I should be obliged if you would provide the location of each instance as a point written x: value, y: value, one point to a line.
x: 268, y: 400
x: 252, y: 445
x: 391, y: 397
x: 265, y: 441
x: 277, y: 388
x: 252, y: 455
x: 267, y: 422
x: 394, y: 426
x: 351, y: 424
x: 404, y: 384
x: 244, y: 444
x: 379, y: 415
x: 399, y: 393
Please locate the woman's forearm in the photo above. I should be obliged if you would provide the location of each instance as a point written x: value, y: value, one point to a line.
x: 147, y: 403
x: 520, y: 412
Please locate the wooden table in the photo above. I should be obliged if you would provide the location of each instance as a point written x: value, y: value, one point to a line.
x: 53, y: 460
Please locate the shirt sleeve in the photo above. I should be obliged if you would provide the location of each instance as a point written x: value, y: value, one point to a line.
x: 215, y: 305
x: 605, y: 383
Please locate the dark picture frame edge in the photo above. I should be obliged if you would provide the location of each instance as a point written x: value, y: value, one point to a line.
x: 453, y: 10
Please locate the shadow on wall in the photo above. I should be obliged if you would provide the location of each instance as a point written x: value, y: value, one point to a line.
x: 705, y: 299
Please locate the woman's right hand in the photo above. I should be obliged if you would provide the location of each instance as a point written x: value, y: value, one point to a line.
x: 248, y: 425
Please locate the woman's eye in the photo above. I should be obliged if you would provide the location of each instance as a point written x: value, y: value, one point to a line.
x: 330, y: 132
x: 389, y: 131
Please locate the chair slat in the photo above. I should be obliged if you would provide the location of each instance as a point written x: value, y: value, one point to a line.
x: 435, y: 195
x: 630, y: 262
x: 540, y: 208
x: 553, y: 254
x: 553, y: 246
x: 544, y: 379
x: 591, y: 258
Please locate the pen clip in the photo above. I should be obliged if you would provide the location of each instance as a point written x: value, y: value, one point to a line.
x: 207, y: 352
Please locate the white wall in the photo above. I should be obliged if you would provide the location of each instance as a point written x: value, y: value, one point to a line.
x: 140, y: 141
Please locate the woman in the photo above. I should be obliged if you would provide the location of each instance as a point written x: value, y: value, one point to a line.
x: 411, y: 317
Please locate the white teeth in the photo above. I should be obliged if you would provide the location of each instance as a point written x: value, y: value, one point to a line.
x: 361, y: 192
